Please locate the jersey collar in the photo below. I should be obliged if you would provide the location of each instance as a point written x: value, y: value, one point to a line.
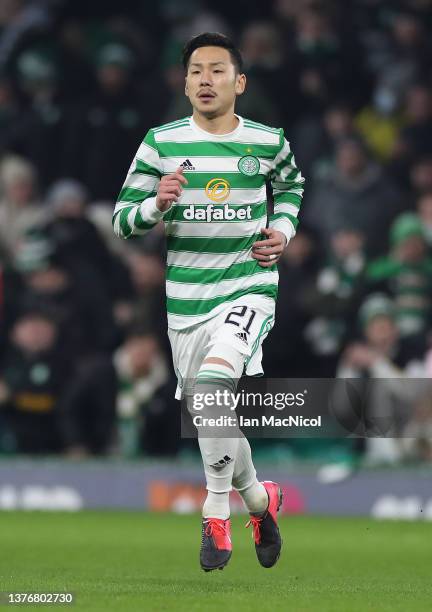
x: 210, y: 136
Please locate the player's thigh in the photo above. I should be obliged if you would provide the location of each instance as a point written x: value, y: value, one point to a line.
x: 243, y: 325
x: 188, y: 349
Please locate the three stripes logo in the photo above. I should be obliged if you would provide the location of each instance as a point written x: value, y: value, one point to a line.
x: 222, y: 462
x: 243, y: 336
x: 187, y: 165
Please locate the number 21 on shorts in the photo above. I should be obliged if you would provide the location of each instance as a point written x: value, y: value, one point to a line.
x: 241, y: 316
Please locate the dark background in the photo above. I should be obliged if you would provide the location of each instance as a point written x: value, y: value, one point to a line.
x: 85, y: 362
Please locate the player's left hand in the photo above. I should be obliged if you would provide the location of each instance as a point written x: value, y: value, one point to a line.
x: 268, y: 252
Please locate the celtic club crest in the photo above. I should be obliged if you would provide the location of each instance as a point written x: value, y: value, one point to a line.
x: 249, y: 165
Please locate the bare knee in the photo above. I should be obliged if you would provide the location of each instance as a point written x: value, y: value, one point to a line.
x: 219, y: 361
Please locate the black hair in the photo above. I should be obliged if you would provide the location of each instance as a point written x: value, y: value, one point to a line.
x: 212, y: 39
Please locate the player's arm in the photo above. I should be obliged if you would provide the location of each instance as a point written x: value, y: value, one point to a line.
x: 146, y: 195
x: 287, y: 185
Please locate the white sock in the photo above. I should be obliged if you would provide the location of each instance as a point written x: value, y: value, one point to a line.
x: 218, y: 453
x: 255, y: 498
x: 216, y: 505
x: 244, y: 480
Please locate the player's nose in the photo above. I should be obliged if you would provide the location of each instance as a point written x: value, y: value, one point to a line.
x: 205, y: 78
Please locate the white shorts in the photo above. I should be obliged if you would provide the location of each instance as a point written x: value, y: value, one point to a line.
x: 243, y: 325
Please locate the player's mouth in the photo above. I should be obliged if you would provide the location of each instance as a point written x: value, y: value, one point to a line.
x: 206, y: 96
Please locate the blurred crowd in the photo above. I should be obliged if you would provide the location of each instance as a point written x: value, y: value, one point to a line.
x: 85, y: 363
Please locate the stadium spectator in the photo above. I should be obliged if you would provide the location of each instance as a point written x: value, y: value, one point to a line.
x: 19, y: 21
x: 420, y: 178
x: 122, y: 404
x: 415, y: 139
x: 382, y: 350
x: 355, y: 192
x: 380, y: 122
x: 107, y: 127
x: 410, y: 50
x: 147, y: 274
x: 76, y: 98
x: 325, y: 61
x: 316, y: 138
x: 406, y: 273
x: 76, y: 75
x: 266, y: 68
x: 333, y: 297
x: 39, y: 132
x: 34, y: 373
x: 381, y: 353
x: 76, y: 240
x: 20, y: 208
x: 84, y: 310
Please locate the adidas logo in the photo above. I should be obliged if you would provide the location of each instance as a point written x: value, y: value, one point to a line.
x: 222, y: 462
x: 187, y: 165
x: 243, y: 337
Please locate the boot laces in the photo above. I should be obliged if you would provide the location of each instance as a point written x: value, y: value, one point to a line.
x: 215, y: 527
x: 255, y: 521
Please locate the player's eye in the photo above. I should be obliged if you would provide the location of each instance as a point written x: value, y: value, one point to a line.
x: 217, y: 70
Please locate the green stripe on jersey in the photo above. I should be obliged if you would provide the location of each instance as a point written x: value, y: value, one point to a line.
x: 260, y: 126
x: 171, y: 126
x: 216, y: 149
x: 126, y: 228
x: 204, y: 276
x: 138, y: 221
x: 210, y: 244
x: 293, y: 220
x: 149, y: 140
x: 287, y: 198
x: 236, y: 180
x: 141, y: 167
x: 185, y: 307
x: 129, y: 194
x: 208, y: 257
x: 285, y: 161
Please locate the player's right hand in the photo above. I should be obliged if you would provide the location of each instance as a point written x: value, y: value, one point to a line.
x: 170, y: 188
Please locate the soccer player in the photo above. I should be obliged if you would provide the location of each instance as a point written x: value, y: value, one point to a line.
x: 205, y: 176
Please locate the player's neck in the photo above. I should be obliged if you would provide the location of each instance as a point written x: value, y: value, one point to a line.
x: 224, y: 124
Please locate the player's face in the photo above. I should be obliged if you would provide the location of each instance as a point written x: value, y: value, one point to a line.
x: 212, y: 83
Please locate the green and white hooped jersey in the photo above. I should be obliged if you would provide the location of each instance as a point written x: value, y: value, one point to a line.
x: 211, y: 229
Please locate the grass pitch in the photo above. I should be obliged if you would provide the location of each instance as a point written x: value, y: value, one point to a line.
x: 132, y: 561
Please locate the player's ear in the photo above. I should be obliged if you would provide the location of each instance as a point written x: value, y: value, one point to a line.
x: 186, y: 87
x: 240, y: 84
